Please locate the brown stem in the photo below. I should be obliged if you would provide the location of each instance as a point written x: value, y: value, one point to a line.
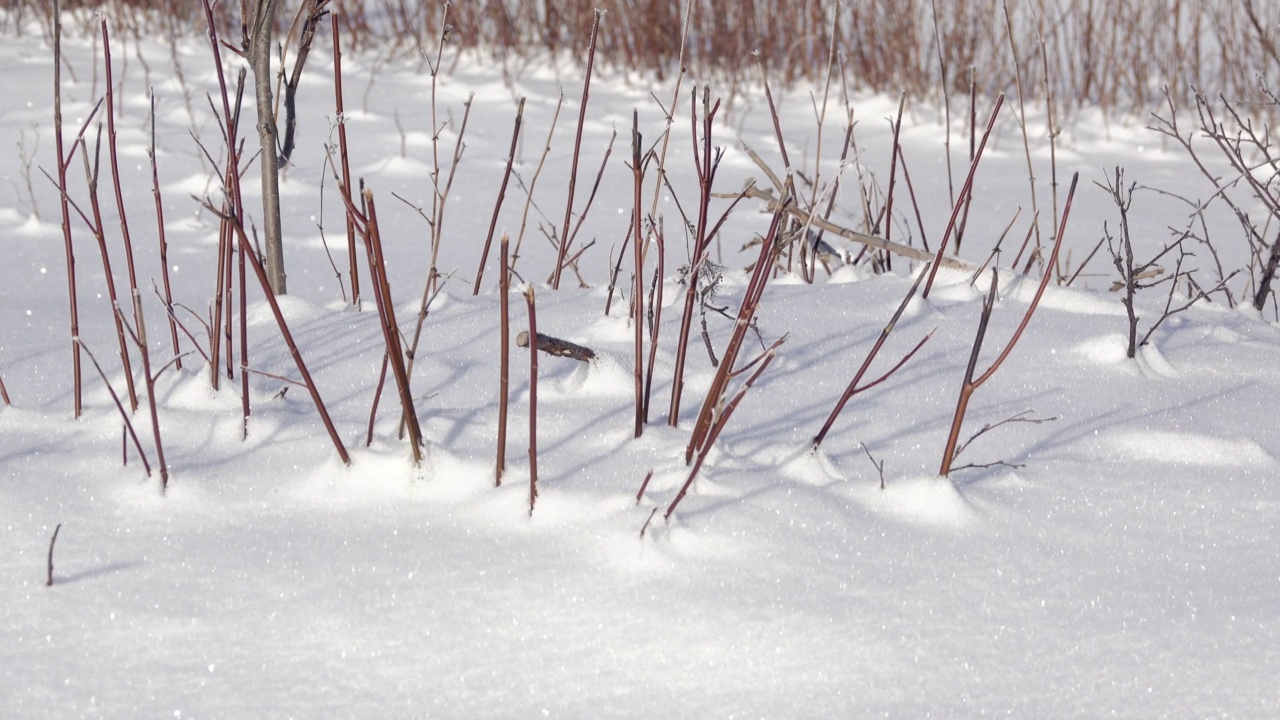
x: 853, y: 388
x: 746, y: 313
x: 577, y: 146
x: 706, y: 166
x: 655, y: 313
x: 124, y: 415
x: 164, y: 245
x: 247, y: 251
x: 96, y: 227
x: 140, y: 325
x: 721, y: 421
x: 970, y: 383
x: 965, y: 190
x: 390, y: 329
x: 502, y: 193
x: 52, y: 540
x: 533, y: 398
x: 377, y: 398
x: 63, y: 161
x: 637, y: 291
x: 504, y: 359
x: 342, y: 154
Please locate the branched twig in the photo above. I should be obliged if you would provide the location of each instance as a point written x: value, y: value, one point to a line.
x: 1021, y: 417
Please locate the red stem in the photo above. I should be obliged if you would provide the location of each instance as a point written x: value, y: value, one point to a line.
x: 63, y: 161
x: 533, y: 398
x: 964, y: 192
x: 342, y: 154
x: 577, y: 145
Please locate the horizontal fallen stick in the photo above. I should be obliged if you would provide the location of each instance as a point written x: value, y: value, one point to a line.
x: 556, y: 346
x: 879, y: 243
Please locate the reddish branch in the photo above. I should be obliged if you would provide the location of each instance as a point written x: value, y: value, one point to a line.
x: 971, y: 384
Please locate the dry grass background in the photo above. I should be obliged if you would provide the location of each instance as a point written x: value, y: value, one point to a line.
x: 1113, y: 54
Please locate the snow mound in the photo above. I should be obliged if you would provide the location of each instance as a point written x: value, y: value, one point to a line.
x: 1190, y: 448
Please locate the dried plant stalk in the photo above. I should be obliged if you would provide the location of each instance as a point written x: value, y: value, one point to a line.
x: 970, y: 383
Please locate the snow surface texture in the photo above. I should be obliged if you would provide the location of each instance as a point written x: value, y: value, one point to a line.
x: 1128, y: 569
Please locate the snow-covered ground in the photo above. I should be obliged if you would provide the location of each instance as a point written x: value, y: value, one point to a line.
x: 1126, y: 567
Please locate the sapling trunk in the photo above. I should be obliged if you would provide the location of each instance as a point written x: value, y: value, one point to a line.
x: 377, y: 397
x: 432, y: 287
x: 572, y: 261
x: 437, y: 197
x: 533, y: 183
x: 259, y: 53
x: 644, y: 485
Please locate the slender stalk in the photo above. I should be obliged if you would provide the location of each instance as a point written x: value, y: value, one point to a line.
x: 124, y: 414
x: 720, y: 423
x: 433, y: 287
x: 245, y: 408
x: 533, y: 398
x: 1022, y: 123
x: 655, y: 315
x: 577, y: 146
x: 247, y: 251
x: 971, y: 384
x: 958, y: 205
x: 853, y: 388
x: 164, y: 245
x: 705, y: 163
x: 746, y: 313
x: 504, y: 357
x: 52, y: 540
x: 96, y: 226
x: 377, y: 397
x: 342, y: 155
x: 437, y: 197
x: 140, y: 325
x: 63, y: 161
x: 502, y: 193
x: 390, y: 329
x: 533, y: 182
x: 637, y: 290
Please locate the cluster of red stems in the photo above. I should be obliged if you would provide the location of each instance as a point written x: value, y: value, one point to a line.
x: 786, y: 243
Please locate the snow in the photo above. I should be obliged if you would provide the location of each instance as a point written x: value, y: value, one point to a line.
x: 1126, y: 567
